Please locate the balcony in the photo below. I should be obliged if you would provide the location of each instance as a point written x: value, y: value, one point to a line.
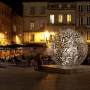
x: 61, y: 24
x: 81, y: 27
x: 60, y: 6
x: 87, y: 26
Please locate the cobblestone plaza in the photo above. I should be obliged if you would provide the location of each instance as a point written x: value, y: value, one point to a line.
x: 25, y: 78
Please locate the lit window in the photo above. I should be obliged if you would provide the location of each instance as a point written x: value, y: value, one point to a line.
x: 42, y: 24
x: 68, y: 18
x: 31, y: 25
x: 52, y: 19
x: 31, y: 37
x: 14, y: 28
x: 60, y: 18
x: 68, y: 5
x: 26, y: 37
x: 88, y: 35
x: 60, y: 6
x: 42, y: 37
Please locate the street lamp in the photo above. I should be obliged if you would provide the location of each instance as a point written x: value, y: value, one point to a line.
x: 47, y: 35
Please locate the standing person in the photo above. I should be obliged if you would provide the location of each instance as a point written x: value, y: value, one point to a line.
x: 35, y: 64
x: 38, y: 62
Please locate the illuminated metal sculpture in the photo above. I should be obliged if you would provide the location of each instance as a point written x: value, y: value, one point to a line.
x: 70, y: 48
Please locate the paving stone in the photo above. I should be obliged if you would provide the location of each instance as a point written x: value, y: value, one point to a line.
x: 25, y: 78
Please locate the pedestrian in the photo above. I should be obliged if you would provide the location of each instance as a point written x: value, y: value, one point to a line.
x: 38, y: 62
x: 35, y: 64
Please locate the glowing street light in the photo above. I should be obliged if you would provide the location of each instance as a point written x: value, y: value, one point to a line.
x: 47, y: 35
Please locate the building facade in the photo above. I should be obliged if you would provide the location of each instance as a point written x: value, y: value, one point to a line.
x: 5, y: 24
x: 11, y: 27
x: 43, y: 19
x: 17, y: 29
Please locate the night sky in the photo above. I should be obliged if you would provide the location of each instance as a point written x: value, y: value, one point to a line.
x: 16, y: 5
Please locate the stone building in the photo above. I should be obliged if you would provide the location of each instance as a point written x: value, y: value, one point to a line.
x: 5, y: 24
x: 43, y: 19
x: 17, y: 29
x: 11, y: 27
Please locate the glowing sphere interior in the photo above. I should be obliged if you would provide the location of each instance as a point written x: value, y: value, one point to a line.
x: 70, y: 48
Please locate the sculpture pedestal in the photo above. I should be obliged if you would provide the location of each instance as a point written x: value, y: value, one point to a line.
x: 65, y: 70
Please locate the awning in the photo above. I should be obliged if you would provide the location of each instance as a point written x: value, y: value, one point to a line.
x: 1, y: 48
x: 5, y: 48
x: 17, y: 46
x: 10, y: 47
x: 14, y: 45
x: 35, y: 45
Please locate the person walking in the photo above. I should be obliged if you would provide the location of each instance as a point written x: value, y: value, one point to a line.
x: 38, y: 62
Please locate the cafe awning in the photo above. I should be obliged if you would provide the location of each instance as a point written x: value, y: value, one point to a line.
x: 16, y: 46
x: 9, y: 47
x: 5, y: 48
x: 35, y: 45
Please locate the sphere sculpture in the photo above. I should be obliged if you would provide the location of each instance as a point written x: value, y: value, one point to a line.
x: 70, y: 48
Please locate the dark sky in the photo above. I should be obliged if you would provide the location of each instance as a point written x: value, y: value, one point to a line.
x: 16, y: 5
